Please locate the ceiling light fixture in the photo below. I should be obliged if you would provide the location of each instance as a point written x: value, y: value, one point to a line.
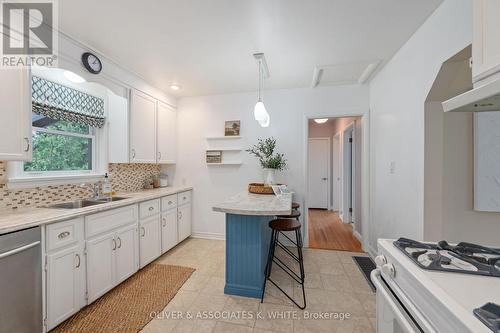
x: 75, y: 78
x: 259, y: 112
x: 175, y: 87
x: 321, y: 120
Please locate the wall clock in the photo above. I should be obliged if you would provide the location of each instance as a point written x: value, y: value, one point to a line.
x: 91, y: 63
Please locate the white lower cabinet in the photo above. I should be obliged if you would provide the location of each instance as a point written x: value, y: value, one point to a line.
x: 100, y: 265
x: 111, y: 258
x: 149, y: 239
x: 184, y: 221
x: 65, y: 266
x: 169, y: 236
x: 126, y: 252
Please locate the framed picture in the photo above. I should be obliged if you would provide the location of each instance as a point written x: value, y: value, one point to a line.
x: 214, y: 156
x: 232, y: 128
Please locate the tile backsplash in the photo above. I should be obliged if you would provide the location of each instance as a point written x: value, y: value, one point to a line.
x: 123, y: 177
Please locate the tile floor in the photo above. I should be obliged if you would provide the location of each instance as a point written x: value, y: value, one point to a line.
x: 334, y: 285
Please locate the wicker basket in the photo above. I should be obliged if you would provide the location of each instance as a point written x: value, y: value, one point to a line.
x: 260, y: 188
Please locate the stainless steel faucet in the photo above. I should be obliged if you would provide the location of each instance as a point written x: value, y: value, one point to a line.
x: 94, y: 187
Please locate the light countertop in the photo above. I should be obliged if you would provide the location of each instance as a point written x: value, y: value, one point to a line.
x: 245, y: 203
x: 17, y: 219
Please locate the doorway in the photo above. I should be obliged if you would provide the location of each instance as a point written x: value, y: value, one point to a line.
x: 333, y: 179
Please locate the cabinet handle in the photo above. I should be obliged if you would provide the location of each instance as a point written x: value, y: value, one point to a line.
x: 79, y: 261
x: 143, y: 232
x: 159, y: 155
x: 170, y: 202
x: 63, y: 235
x: 151, y: 208
x: 180, y: 215
x: 27, y: 144
x: 184, y: 198
x: 119, y: 242
x: 164, y: 222
x: 114, y: 244
x: 133, y: 153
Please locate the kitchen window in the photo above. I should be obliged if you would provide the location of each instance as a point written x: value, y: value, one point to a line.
x: 68, y: 143
x: 61, y: 147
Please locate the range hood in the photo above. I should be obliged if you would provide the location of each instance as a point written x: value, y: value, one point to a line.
x: 485, y: 97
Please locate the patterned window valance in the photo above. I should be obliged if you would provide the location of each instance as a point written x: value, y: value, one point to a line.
x: 59, y: 102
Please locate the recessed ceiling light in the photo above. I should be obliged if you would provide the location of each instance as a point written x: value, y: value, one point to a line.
x: 175, y: 87
x: 73, y: 77
x: 321, y: 120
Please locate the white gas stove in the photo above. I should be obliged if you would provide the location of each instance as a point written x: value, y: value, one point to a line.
x: 413, y: 299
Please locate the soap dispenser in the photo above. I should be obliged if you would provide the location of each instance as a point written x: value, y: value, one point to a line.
x: 106, y: 187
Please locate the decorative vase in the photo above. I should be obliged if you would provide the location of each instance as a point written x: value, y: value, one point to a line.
x: 269, y: 176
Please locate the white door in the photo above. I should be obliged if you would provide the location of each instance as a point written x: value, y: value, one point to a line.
x: 118, y: 126
x: 167, y: 118
x: 126, y: 252
x: 347, y: 174
x: 169, y: 236
x: 15, y: 115
x: 149, y: 239
x: 486, y: 37
x: 336, y: 167
x: 142, y: 128
x: 184, y: 221
x: 319, y: 171
x: 100, y: 265
x: 65, y: 284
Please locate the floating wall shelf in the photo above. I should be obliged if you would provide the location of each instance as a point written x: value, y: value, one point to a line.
x: 227, y: 163
x: 222, y: 137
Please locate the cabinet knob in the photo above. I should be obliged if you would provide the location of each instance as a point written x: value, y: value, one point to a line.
x: 133, y: 153
x: 63, y: 235
x: 79, y: 260
x: 151, y: 208
x: 119, y: 242
x: 143, y: 232
x: 28, y: 145
x: 114, y: 244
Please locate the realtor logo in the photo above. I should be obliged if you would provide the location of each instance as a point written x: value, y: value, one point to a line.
x: 29, y: 33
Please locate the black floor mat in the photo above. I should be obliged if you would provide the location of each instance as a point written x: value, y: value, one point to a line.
x: 366, y: 266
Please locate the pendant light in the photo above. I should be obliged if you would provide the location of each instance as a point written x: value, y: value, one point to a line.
x: 259, y: 112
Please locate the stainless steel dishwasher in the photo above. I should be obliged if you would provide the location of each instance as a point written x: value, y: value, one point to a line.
x: 21, y: 281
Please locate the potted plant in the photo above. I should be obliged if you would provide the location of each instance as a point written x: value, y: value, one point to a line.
x: 269, y: 160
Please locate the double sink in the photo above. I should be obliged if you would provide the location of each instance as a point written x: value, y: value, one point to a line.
x: 85, y: 203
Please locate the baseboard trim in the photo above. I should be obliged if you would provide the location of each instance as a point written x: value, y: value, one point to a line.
x: 357, y: 235
x: 208, y: 235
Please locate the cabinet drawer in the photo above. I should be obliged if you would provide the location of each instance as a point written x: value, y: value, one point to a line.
x: 168, y: 202
x: 149, y: 208
x: 64, y: 233
x: 183, y: 198
x: 101, y: 222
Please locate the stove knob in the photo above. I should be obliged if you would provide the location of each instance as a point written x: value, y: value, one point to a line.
x: 380, y: 260
x: 389, y: 270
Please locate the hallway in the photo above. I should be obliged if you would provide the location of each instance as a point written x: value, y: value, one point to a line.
x: 326, y: 231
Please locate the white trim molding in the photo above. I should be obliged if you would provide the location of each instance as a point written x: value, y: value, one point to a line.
x: 42, y: 181
x: 208, y: 235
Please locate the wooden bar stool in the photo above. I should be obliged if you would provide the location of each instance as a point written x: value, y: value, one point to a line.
x: 279, y: 226
x: 295, y: 214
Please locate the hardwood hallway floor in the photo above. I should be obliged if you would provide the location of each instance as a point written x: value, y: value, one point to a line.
x: 326, y: 231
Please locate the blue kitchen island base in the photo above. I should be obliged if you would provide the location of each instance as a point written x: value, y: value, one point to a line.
x: 247, y: 246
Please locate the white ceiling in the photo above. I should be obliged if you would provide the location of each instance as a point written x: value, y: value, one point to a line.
x: 206, y: 46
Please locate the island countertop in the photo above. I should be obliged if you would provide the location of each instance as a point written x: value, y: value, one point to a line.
x: 245, y: 203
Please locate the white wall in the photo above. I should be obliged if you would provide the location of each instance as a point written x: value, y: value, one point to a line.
x: 203, y: 116
x: 397, y: 96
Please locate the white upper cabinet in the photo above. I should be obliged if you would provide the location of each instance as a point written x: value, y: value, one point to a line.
x: 152, y: 130
x: 166, y: 133
x: 118, y: 120
x: 142, y: 128
x: 15, y: 115
x: 486, y: 39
